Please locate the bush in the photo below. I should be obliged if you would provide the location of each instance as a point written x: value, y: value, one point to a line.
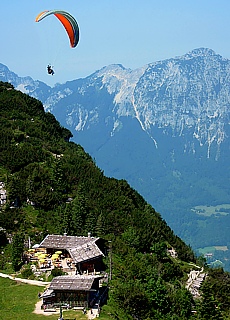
x: 55, y: 273
x: 27, y: 273
x: 2, y: 262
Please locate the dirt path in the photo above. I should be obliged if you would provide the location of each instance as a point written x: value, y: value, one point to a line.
x: 33, y: 282
x: 38, y: 310
x: 93, y: 313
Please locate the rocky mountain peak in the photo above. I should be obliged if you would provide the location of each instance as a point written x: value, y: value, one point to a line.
x: 199, y: 52
x: 185, y: 96
x: 186, y: 93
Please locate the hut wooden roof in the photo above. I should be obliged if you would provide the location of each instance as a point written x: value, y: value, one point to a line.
x: 73, y: 283
x: 80, y: 248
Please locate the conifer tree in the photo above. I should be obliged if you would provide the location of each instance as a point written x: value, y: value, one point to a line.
x: 17, y: 250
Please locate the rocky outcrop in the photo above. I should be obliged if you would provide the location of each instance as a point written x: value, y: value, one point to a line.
x: 3, y: 195
x: 195, y: 279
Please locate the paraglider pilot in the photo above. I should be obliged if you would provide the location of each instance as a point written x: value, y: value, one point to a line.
x: 50, y: 70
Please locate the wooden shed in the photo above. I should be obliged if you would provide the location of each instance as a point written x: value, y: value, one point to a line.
x: 72, y: 291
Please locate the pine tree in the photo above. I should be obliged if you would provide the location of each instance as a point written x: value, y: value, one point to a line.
x: 209, y: 308
x: 17, y: 250
x: 76, y: 218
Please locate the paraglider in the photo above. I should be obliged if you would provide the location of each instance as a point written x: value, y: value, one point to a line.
x: 50, y: 70
x: 69, y: 23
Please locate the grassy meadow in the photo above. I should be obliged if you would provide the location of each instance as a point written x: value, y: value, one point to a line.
x: 207, y: 211
x: 17, y: 302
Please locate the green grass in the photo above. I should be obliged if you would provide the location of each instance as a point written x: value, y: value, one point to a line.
x: 208, y: 211
x: 221, y: 248
x: 17, y: 302
x: 206, y: 250
x: 212, y: 249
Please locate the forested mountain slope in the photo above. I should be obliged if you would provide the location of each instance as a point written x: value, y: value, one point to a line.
x: 164, y: 128
x: 53, y: 186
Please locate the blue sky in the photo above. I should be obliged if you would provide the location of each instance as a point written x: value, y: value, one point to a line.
x: 130, y: 32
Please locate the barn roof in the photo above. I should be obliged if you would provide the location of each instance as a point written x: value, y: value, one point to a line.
x: 47, y: 294
x: 73, y: 283
x: 80, y: 248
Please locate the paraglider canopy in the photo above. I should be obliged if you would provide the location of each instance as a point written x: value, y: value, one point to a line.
x: 67, y: 20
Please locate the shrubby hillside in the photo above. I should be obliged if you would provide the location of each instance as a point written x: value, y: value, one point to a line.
x: 53, y: 186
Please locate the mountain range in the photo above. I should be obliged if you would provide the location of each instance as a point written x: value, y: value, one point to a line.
x: 51, y: 186
x: 164, y: 128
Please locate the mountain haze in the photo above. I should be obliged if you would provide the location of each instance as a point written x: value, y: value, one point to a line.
x: 163, y: 127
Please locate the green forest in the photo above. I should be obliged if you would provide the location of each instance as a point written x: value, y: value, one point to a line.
x: 54, y: 187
